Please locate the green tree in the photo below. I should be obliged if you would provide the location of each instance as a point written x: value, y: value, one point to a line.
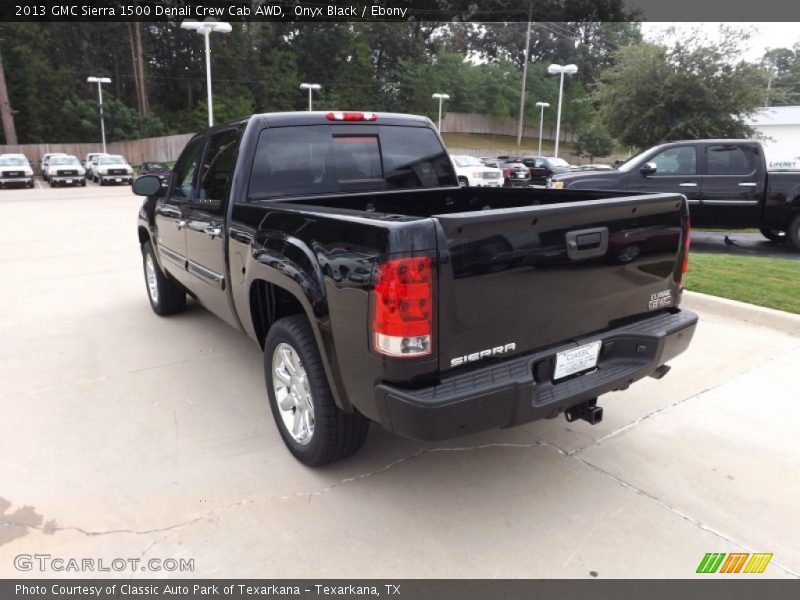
x: 783, y: 69
x: 655, y: 94
x: 226, y: 108
x: 594, y: 142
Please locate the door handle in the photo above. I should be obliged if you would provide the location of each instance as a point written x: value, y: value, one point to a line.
x: 179, y: 223
x: 688, y: 185
x: 748, y: 184
x: 213, y: 232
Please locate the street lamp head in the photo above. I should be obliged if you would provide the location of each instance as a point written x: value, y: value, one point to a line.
x: 558, y: 69
x: 98, y: 80
x: 207, y: 26
x: 442, y: 96
x: 543, y: 104
x: 310, y: 86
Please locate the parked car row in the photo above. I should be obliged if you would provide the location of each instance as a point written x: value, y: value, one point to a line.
x: 59, y: 168
x: 513, y: 171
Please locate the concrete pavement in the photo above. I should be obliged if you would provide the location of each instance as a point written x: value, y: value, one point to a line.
x: 125, y: 435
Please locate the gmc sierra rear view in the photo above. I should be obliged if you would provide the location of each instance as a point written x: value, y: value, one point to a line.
x: 380, y: 290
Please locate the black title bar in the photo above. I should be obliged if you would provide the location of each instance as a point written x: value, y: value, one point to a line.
x: 400, y: 10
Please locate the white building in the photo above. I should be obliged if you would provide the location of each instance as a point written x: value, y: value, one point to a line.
x: 781, y: 126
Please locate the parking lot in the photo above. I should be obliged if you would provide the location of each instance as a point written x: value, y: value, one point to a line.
x: 126, y: 435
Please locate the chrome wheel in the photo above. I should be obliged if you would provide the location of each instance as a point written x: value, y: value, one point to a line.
x: 150, y: 276
x: 292, y: 393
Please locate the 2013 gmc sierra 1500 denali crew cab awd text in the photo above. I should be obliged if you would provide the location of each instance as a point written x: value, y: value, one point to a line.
x: 381, y: 290
x: 726, y: 182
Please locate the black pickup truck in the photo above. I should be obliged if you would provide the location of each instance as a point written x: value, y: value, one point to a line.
x: 726, y: 182
x: 380, y: 290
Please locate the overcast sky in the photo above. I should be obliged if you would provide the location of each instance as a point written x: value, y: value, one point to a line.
x: 764, y: 35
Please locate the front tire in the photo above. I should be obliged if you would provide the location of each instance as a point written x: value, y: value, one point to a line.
x: 166, y: 296
x: 313, y: 428
x: 773, y: 235
x: 793, y: 233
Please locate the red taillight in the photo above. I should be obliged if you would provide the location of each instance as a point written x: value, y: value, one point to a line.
x: 351, y: 116
x: 507, y: 173
x: 402, y: 313
x: 686, y: 234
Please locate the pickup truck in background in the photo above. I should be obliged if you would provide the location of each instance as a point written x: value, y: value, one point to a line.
x: 726, y: 183
x: 378, y: 289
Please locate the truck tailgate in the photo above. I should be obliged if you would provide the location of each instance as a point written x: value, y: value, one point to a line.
x: 517, y: 279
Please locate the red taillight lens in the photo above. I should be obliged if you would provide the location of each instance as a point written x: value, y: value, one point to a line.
x: 686, y: 234
x: 351, y: 116
x: 402, y: 312
x: 506, y: 173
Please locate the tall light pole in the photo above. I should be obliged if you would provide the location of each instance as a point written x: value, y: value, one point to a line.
x: 524, y: 77
x: 100, y: 81
x: 440, y: 97
x: 310, y: 87
x: 560, y: 70
x: 205, y: 28
x: 541, y: 105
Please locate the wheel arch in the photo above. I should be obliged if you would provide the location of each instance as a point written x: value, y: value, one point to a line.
x: 270, y: 300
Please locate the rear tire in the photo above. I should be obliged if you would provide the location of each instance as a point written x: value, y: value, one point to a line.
x: 166, y: 296
x: 773, y: 235
x: 313, y: 428
x: 463, y: 181
x: 793, y: 233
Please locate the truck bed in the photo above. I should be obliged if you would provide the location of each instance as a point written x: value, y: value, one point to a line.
x: 527, y: 268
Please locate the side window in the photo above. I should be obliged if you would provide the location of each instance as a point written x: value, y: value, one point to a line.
x: 413, y: 157
x: 730, y: 160
x: 291, y: 161
x: 185, y: 169
x: 681, y: 160
x: 539, y: 164
x: 217, y: 170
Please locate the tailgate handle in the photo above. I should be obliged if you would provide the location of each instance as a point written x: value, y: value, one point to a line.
x: 587, y: 243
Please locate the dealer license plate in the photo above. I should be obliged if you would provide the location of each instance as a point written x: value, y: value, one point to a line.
x: 580, y: 359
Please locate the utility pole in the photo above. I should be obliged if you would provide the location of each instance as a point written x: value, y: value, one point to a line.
x: 134, y: 65
x: 9, y: 130
x: 137, y: 30
x: 524, y: 77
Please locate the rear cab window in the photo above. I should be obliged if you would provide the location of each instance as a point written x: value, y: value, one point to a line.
x: 325, y: 159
